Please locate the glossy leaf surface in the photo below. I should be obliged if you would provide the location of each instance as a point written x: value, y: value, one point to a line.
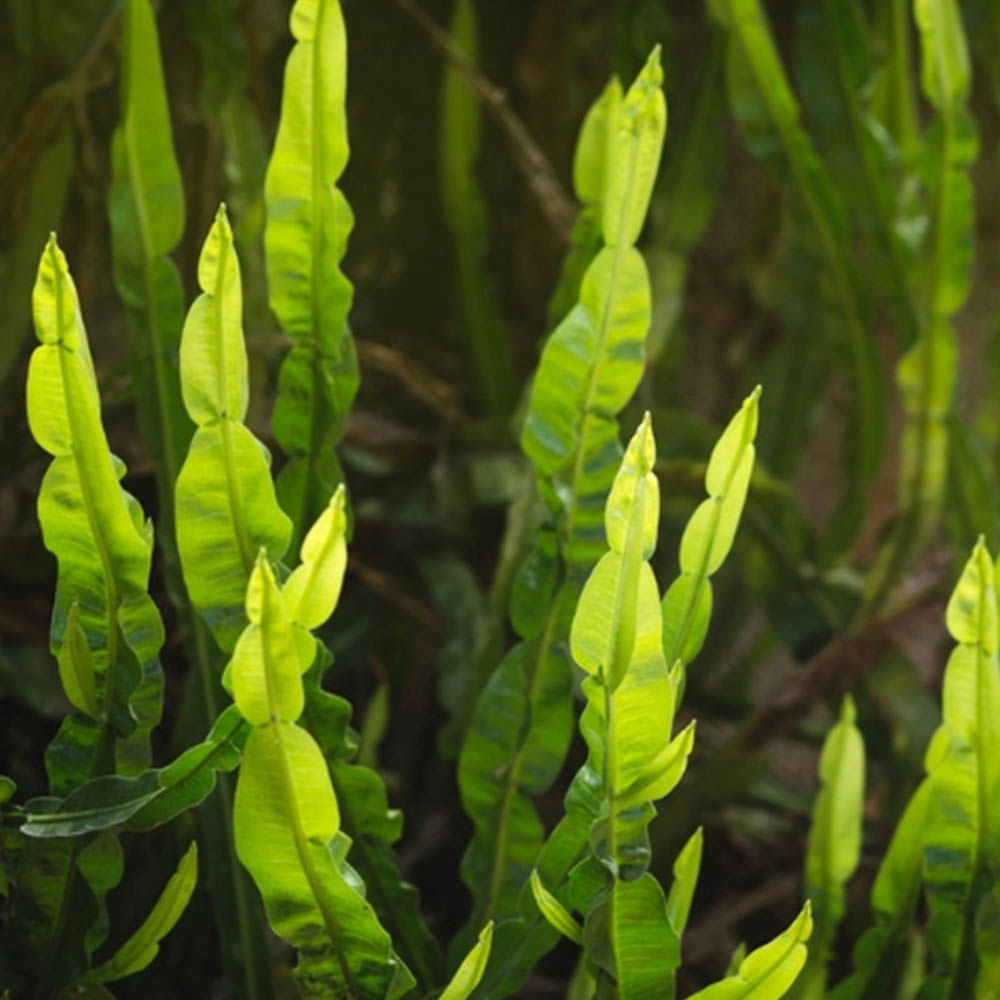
x: 226, y: 505
x: 308, y: 224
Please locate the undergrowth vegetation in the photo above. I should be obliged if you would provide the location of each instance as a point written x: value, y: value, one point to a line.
x: 663, y: 721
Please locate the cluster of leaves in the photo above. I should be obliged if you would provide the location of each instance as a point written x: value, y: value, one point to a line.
x: 294, y: 830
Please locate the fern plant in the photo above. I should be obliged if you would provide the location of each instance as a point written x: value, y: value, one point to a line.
x: 267, y: 786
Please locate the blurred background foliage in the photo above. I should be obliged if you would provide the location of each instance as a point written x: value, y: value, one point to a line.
x: 462, y: 225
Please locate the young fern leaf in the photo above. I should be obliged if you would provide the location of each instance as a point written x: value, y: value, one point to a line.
x: 768, y: 972
x: 146, y: 208
x: 927, y: 373
x: 554, y: 912
x: 589, y: 369
x: 105, y: 630
x: 709, y: 534
x: 962, y: 831
x: 308, y: 224
x: 92, y: 526
x: 470, y: 972
x: 834, y: 844
x: 226, y: 506
x: 144, y: 945
x: 881, y: 951
x: 616, y: 638
x: 686, y: 869
x: 765, y: 106
x: 731, y: 464
x: 593, y: 361
x: 310, y: 594
x: 286, y: 816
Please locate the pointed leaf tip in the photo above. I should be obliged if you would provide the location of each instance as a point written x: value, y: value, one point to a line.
x: 848, y: 711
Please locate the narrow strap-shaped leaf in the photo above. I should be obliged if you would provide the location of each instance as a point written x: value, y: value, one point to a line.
x: 836, y: 68
x: 93, y: 527
x: 466, y: 213
x: 308, y: 224
x: 373, y: 829
x: 962, y: 834
x: 730, y: 466
x: 880, y: 952
x: 589, y: 369
x: 286, y: 819
x: 144, y: 945
x: 309, y: 595
x: 226, y: 506
x: 593, y: 360
x: 146, y: 207
x: 43, y: 210
x: 834, y: 843
x: 617, y: 637
x: 895, y: 97
x: 105, y: 630
x: 470, y: 972
x: 765, y: 106
x: 927, y: 373
x: 768, y: 972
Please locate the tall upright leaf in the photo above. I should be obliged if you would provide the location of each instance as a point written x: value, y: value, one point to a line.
x: 617, y: 639
x: 685, y: 611
x: 589, y: 369
x: 95, y: 529
x: 836, y: 70
x: 365, y: 816
x: 287, y: 817
x: 834, y: 843
x: 105, y: 630
x: 766, y: 108
x: 880, y: 952
x: 465, y: 211
x: 927, y: 372
x: 226, y: 506
x: 146, y: 206
x: 308, y: 224
x: 962, y: 832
